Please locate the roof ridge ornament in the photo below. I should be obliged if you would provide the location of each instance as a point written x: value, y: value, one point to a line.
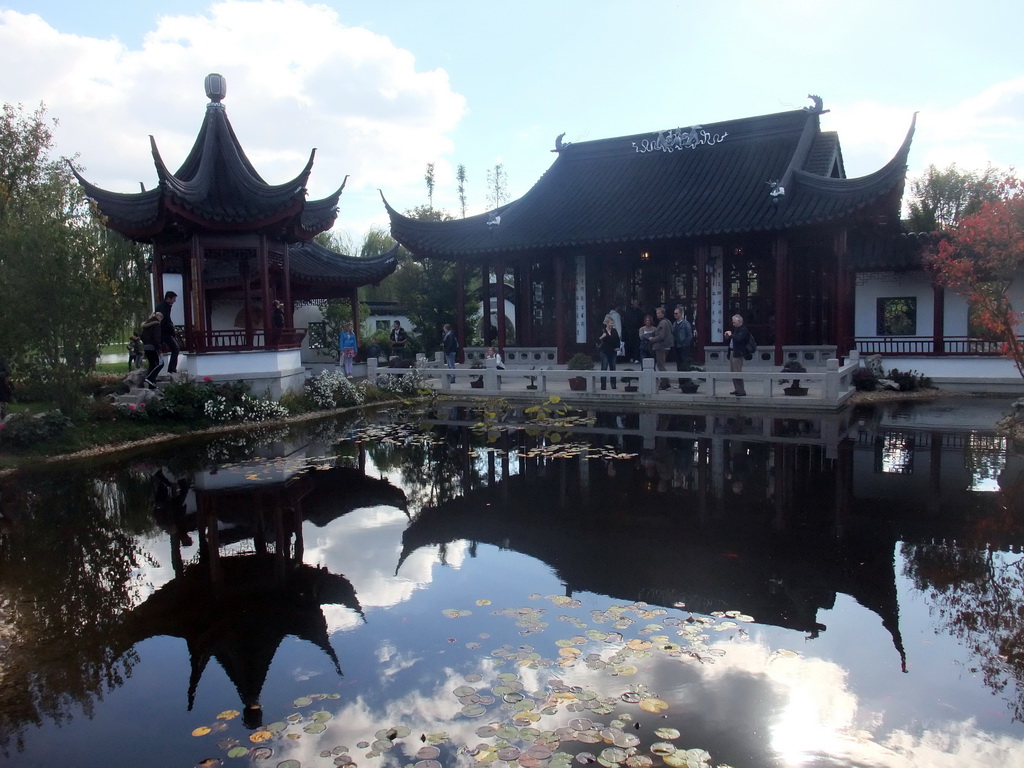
x: 680, y: 138
x: 216, y: 87
x: 818, y: 107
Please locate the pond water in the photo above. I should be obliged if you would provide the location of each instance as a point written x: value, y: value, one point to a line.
x: 541, y: 588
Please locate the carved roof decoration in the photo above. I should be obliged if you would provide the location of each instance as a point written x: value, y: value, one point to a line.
x: 216, y: 189
x: 756, y: 174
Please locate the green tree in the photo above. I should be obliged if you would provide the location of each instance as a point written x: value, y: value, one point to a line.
x: 429, y: 178
x: 460, y: 176
x: 67, y: 283
x: 941, y: 198
x: 497, y: 186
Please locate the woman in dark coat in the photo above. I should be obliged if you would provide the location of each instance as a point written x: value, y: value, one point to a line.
x: 608, y: 345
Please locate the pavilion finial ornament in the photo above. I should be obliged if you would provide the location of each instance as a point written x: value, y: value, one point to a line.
x: 818, y: 107
x: 778, y: 191
x: 680, y: 138
x: 216, y: 87
x: 493, y: 220
x: 559, y: 144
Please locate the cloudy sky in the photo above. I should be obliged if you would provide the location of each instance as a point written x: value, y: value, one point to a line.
x: 380, y: 89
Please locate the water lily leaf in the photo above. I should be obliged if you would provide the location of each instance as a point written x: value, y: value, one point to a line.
x: 228, y: 714
x: 663, y: 748
x: 667, y: 733
x: 202, y: 730
x: 302, y: 701
x: 654, y: 705
x: 238, y: 751
x: 260, y: 736
x: 289, y: 764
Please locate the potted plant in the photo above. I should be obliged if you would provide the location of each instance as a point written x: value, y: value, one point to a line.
x: 533, y: 379
x: 579, y: 362
x: 629, y: 382
x: 477, y: 382
x: 689, y: 386
x: 794, y: 388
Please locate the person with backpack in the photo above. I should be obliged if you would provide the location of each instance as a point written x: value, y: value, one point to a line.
x: 741, y: 347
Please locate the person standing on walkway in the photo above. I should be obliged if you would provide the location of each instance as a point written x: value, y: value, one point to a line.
x: 608, y: 346
x: 682, y: 336
x: 347, y: 348
x: 151, y: 339
x: 632, y: 319
x: 168, y: 331
x: 450, y: 347
x: 741, y: 345
x: 661, y: 342
x: 398, y: 339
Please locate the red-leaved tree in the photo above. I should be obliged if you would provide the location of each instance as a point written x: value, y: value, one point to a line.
x: 981, y: 257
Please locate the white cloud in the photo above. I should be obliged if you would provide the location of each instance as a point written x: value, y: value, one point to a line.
x: 297, y: 78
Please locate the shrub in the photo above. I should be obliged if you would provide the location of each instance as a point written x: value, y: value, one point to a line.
x: 864, y: 380
x: 909, y: 381
x: 403, y: 384
x: 24, y: 431
x: 247, y: 408
x: 580, y: 362
x: 331, y: 389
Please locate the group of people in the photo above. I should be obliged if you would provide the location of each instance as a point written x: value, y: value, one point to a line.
x: 657, y: 336
x: 158, y: 333
x: 652, y: 340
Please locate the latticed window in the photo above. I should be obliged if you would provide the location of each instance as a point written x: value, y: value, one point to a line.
x: 897, y: 316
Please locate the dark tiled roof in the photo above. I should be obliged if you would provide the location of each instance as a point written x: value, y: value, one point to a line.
x: 216, y: 188
x: 311, y: 263
x: 628, y: 190
x: 825, y: 155
x: 313, y: 266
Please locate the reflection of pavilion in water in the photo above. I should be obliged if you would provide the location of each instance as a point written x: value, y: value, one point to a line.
x: 236, y: 601
x: 771, y: 517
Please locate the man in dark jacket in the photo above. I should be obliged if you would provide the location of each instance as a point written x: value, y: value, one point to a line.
x: 682, y: 335
x: 661, y: 342
x: 168, y: 331
x: 740, y: 343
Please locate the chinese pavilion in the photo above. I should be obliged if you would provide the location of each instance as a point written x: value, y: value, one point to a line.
x: 752, y: 216
x: 235, y: 244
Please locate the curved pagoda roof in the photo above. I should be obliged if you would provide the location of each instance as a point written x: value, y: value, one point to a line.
x: 217, y: 190
x: 692, y: 182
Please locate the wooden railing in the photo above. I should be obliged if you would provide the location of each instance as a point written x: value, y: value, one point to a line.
x: 925, y: 345
x: 239, y: 340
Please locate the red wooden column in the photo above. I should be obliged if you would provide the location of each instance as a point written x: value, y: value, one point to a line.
x: 460, y: 306
x: 524, y: 308
x: 938, y: 319
x: 844, y: 298
x: 499, y: 273
x: 263, y: 260
x: 702, y: 316
x: 783, y: 291
x: 560, y: 308
x: 356, y: 320
x: 286, y: 265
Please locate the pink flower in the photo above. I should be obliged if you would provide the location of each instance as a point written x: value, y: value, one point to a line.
x: 207, y: 378
x: 131, y: 407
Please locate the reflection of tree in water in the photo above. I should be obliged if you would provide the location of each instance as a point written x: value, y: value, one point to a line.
x: 976, y: 585
x: 67, y: 573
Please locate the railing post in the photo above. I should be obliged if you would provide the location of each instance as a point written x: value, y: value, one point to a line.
x: 371, y: 369
x: 647, y: 385
x: 831, y: 380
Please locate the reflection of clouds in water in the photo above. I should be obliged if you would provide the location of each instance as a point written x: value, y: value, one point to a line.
x: 352, y: 546
x: 804, y: 704
x: 821, y: 716
x: 154, y: 568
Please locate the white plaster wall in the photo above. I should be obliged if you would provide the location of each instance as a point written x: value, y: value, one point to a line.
x: 878, y: 285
